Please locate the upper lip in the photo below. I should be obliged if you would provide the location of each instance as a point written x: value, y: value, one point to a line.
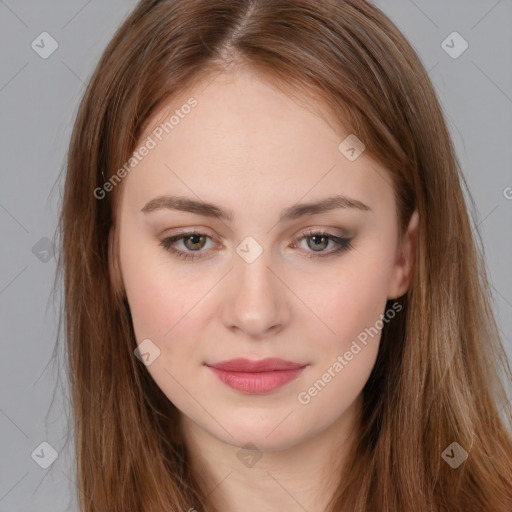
x: 250, y: 366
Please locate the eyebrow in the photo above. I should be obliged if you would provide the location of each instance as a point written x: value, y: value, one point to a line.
x: 211, y: 210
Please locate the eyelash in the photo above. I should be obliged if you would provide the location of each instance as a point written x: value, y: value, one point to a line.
x: 344, y: 244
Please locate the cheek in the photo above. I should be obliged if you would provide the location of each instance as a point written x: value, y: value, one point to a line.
x: 349, y: 302
x: 352, y: 309
x: 156, y: 301
x: 168, y: 312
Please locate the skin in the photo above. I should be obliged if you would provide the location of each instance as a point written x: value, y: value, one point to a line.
x: 250, y: 148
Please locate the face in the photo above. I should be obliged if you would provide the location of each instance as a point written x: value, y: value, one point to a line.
x: 266, y: 281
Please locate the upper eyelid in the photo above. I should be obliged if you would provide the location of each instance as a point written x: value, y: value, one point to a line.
x: 302, y: 234
x: 305, y: 231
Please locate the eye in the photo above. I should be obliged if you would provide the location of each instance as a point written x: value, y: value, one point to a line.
x: 195, y: 241
x: 320, y: 240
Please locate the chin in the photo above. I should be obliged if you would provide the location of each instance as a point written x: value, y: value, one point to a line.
x: 268, y: 436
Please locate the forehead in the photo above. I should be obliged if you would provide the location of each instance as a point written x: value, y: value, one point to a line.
x: 244, y: 135
x: 239, y: 112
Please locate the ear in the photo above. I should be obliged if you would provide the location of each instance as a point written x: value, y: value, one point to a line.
x: 404, y: 266
x: 114, y: 269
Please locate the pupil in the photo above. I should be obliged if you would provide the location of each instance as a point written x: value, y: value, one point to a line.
x: 317, y: 239
x: 194, y: 239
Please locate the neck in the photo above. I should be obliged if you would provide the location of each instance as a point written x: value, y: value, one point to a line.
x: 299, y: 477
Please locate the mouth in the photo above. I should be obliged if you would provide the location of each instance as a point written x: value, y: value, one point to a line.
x: 256, y: 377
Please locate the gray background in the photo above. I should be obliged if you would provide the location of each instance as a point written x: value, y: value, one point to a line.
x: 38, y: 102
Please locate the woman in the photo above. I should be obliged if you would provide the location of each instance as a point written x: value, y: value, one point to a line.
x: 273, y: 294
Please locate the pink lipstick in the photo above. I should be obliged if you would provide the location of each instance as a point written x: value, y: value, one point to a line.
x: 260, y: 376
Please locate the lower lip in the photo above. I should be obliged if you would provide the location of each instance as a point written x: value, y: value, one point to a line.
x: 261, y: 382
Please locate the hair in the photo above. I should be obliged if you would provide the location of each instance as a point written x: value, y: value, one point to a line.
x: 441, y: 367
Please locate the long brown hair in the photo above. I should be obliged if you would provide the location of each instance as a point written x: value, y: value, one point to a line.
x: 439, y: 376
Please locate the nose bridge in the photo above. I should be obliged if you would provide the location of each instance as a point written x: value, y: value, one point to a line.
x: 256, y: 301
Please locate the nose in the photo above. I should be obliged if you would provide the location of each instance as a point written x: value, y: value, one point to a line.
x: 256, y: 301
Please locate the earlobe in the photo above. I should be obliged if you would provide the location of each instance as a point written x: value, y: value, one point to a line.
x: 113, y: 264
x: 404, y: 266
